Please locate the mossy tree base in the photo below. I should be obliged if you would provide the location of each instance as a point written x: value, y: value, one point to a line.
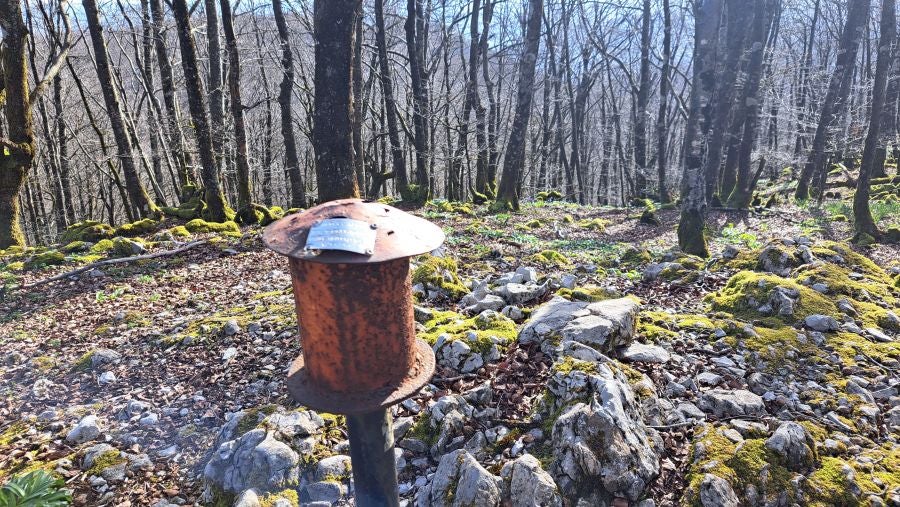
x: 691, y: 239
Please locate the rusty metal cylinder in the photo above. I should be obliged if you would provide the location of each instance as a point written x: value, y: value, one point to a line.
x: 357, y: 327
x: 349, y: 262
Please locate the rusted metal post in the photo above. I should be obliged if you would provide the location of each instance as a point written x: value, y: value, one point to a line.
x: 372, y: 448
x: 349, y: 263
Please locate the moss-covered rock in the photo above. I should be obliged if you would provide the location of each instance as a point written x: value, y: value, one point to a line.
x: 88, y: 230
x: 633, y: 256
x: 45, y: 258
x: 125, y: 247
x: 587, y: 293
x: 595, y: 224
x: 550, y: 258
x: 198, y: 225
x: 139, y: 228
x: 439, y: 274
x: 748, y: 292
x: 76, y: 247
x: 549, y: 196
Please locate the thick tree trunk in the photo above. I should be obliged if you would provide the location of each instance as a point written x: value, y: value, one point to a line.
x: 244, y: 189
x: 212, y: 190
x: 332, y: 134
x: 863, y: 223
x: 514, y: 161
x: 838, y: 90
x: 738, y: 14
x: 691, y: 237
x: 214, y: 84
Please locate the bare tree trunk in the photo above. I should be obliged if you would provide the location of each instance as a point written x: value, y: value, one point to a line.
x: 471, y: 97
x: 514, y: 161
x: 415, y: 39
x: 140, y: 201
x: 285, y: 97
x: 643, y: 99
x: 838, y: 90
x: 390, y: 106
x: 244, y: 189
x: 212, y: 190
x: 863, y: 223
x: 214, y: 84
x: 747, y: 111
x: 167, y: 83
x: 332, y: 133
x: 691, y: 237
x: 737, y: 14
x: 803, y: 93
x: 662, y: 133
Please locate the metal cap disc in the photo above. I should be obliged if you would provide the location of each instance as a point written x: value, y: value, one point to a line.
x: 307, y: 393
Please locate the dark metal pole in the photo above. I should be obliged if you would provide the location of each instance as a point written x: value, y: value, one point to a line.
x: 372, y: 457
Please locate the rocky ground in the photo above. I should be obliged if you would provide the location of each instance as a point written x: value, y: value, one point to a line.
x: 581, y: 361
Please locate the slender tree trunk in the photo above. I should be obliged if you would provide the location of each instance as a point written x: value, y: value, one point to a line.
x: 514, y: 161
x: 662, y: 133
x: 691, y: 237
x: 65, y: 171
x: 838, y: 90
x: 140, y: 201
x: 643, y: 99
x: 285, y: 98
x: 212, y: 190
x: 863, y: 223
x: 214, y: 85
x: 398, y: 165
x: 471, y: 97
x: 419, y: 81
x: 167, y: 84
x: 748, y: 110
x: 332, y: 134
x: 244, y: 189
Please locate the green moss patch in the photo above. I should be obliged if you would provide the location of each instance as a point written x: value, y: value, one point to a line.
x: 587, y: 293
x: 485, y: 326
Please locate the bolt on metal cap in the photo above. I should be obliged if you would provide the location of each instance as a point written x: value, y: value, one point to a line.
x: 349, y: 263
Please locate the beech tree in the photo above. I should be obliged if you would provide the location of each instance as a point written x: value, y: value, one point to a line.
x: 863, y: 223
x: 213, y: 196
x: 691, y: 237
x: 332, y: 132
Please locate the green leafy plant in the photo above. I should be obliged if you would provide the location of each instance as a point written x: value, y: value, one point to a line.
x: 102, y: 296
x: 35, y: 489
x: 734, y: 236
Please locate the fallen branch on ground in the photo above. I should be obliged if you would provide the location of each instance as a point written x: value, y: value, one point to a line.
x: 107, y: 262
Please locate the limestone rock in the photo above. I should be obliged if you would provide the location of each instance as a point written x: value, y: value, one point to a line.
x: 86, y: 430
x: 716, y: 492
x: 605, y: 325
x: 460, y: 481
x: 526, y: 484
x: 725, y: 403
x: 255, y: 460
x: 792, y: 442
x: 602, y: 445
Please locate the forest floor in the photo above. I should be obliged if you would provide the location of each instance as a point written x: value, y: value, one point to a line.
x: 166, y: 351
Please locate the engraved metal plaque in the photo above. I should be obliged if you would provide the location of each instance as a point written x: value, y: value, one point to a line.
x: 343, y: 234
